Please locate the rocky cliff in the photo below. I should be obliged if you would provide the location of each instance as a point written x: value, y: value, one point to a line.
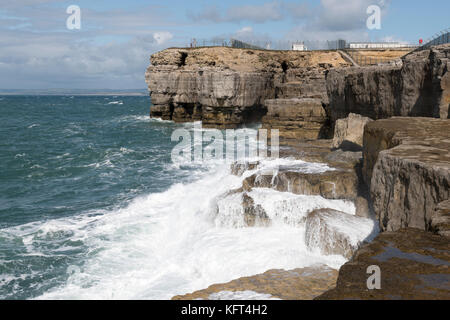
x: 407, y: 166
x: 419, y: 86
x: 227, y: 87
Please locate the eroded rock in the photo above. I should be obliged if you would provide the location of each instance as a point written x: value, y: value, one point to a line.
x: 418, y: 87
x: 336, y: 184
x: 414, y: 265
x: 296, y: 118
x: 407, y: 164
x: 298, y: 284
x: 349, y: 132
x: 227, y: 87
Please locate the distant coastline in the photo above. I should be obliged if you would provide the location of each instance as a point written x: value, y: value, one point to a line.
x: 73, y: 92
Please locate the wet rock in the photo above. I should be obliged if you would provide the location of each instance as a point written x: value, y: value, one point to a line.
x: 336, y: 184
x: 407, y: 165
x: 349, y: 132
x: 333, y: 232
x: 298, y: 284
x: 254, y: 215
x: 414, y: 265
x: 238, y: 168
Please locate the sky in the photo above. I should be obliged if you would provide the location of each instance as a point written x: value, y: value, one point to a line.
x: 112, y: 48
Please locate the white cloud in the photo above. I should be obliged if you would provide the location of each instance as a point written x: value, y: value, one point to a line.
x: 162, y: 37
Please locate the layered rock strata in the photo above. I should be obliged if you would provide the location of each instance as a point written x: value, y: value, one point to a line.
x: 407, y: 165
x: 419, y: 87
x: 227, y: 87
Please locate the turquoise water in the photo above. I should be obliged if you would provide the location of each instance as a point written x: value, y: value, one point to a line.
x: 92, y: 207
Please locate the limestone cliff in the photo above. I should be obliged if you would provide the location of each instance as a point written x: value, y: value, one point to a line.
x: 419, y: 87
x: 227, y: 87
x: 407, y: 165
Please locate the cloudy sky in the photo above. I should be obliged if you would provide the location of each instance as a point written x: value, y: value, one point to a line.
x: 112, y: 48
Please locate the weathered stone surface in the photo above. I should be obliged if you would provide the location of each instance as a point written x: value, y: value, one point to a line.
x: 419, y: 87
x: 337, y: 233
x: 440, y: 220
x: 336, y: 184
x: 298, y: 284
x: 414, y: 265
x: 349, y: 132
x: 226, y: 87
x: 407, y: 163
x: 295, y: 118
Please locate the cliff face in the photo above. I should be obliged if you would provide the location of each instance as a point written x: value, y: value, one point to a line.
x: 419, y: 87
x: 226, y: 87
x: 407, y: 165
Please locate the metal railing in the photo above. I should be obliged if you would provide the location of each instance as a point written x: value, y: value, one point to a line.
x: 364, y: 60
x: 267, y: 45
x: 439, y: 38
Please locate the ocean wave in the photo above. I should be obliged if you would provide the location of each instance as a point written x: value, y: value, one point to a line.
x: 115, y: 102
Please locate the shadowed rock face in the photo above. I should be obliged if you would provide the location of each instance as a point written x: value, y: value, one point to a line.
x: 226, y: 87
x: 414, y: 265
x: 420, y: 87
x: 407, y: 164
x: 298, y: 284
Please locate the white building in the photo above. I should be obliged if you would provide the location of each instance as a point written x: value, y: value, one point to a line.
x: 299, y: 47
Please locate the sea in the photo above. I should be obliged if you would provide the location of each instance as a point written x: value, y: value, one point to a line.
x: 92, y: 206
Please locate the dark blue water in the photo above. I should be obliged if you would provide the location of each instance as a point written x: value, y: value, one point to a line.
x: 61, y: 156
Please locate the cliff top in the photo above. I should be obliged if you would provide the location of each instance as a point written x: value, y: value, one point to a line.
x: 247, y: 59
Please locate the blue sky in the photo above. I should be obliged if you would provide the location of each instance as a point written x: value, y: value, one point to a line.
x: 116, y: 39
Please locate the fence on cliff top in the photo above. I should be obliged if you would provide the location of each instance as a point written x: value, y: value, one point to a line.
x: 267, y: 45
x: 439, y: 38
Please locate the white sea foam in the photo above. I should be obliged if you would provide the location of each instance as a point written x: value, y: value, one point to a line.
x: 116, y: 102
x: 170, y: 243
